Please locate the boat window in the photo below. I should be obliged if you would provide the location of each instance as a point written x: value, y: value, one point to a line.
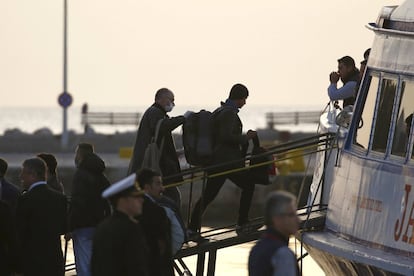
x: 363, y: 131
x: 383, y: 120
x: 403, y: 124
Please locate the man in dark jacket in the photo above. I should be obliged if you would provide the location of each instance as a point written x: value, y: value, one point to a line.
x: 8, y: 192
x: 41, y: 220
x: 87, y: 207
x: 119, y: 246
x: 156, y: 224
x: 271, y: 255
x: 229, y: 141
x: 169, y: 164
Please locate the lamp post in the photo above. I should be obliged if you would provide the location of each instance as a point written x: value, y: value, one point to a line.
x: 65, y: 99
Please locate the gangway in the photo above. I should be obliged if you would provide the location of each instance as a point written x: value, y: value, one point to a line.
x: 224, y: 237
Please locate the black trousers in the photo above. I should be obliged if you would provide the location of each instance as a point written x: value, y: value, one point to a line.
x: 212, y: 189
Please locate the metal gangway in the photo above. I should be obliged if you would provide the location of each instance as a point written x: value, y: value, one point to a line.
x: 226, y: 236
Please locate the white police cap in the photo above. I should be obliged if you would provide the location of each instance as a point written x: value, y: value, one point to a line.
x: 126, y: 186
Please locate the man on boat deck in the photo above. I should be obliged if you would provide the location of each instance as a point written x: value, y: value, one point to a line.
x: 119, y: 246
x: 349, y: 76
x: 271, y: 255
x: 229, y: 142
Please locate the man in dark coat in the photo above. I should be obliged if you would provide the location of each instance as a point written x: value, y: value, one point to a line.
x: 156, y: 224
x: 169, y: 164
x: 8, y: 192
x: 119, y: 246
x: 41, y: 220
x: 52, y: 176
x: 229, y: 141
x: 87, y: 207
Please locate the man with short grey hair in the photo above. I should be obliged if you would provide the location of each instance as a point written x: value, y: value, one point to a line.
x: 271, y: 254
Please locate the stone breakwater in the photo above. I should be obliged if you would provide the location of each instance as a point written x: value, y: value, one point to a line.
x: 16, y: 148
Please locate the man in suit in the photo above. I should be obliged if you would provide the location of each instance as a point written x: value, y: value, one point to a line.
x: 119, y: 246
x: 41, y: 220
x: 156, y: 224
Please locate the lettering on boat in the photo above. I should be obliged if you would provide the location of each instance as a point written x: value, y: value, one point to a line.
x: 404, y: 220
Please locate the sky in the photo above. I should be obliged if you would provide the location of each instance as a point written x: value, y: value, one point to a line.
x: 120, y: 52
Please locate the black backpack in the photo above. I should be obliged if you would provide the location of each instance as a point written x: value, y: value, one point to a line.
x: 198, y: 138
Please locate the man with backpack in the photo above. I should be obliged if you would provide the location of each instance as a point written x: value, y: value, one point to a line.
x: 227, y: 150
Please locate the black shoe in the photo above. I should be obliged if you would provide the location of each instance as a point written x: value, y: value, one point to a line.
x: 248, y: 228
x: 196, y: 237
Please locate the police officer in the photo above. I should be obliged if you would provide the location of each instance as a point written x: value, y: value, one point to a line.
x: 119, y: 246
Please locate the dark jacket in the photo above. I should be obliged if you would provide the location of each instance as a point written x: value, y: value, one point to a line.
x: 8, y: 243
x: 157, y: 231
x: 169, y: 163
x: 41, y: 220
x: 119, y: 248
x: 87, y: 207
x: 9, y: 193
x: 54, y: 183
x: 260, y: 258
x: 228, y: 137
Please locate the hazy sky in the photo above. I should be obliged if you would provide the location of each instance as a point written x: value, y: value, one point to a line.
x: 121, y: 52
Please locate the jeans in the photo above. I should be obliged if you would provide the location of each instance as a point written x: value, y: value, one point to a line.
x: 82, y: 247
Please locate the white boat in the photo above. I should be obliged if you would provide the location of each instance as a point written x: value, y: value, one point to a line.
x: 366, y: 180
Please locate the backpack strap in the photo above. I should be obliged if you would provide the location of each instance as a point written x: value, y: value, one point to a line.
x: 155, y: 137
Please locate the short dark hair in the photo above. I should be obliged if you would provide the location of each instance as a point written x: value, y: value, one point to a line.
x: 145, y: 177
x: 37, y: 166
x: 276, y: 204
x: 162, y: 92
x: 238, y: 92
x: 50, y: 161
x: 347, y: 60
x: 86, y: 147
x: 3, y: 167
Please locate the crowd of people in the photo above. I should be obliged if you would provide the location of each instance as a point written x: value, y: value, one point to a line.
x: 134, y: 226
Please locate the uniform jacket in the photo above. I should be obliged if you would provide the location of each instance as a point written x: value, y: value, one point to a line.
x: 41, y: 220
x: 169, y: 163
x: 119, y: 248
x: 87, y: 207
x: 157, y: 230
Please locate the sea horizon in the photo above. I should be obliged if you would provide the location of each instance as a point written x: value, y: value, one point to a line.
x: 29, y: 119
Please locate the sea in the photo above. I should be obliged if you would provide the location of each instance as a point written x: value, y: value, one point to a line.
x: 31, y: 119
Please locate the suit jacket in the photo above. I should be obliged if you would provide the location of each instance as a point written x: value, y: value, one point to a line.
x: 41, y: 219
x: 119, y: 248
x: 7, y: 240
x: 157, y: 230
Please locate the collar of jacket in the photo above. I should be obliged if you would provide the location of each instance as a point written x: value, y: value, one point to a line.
x: 275, y: 235
x: 160, y: 108
x: 231, y: 104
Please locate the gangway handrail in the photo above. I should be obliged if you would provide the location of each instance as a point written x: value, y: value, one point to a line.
x: 278, y: 149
